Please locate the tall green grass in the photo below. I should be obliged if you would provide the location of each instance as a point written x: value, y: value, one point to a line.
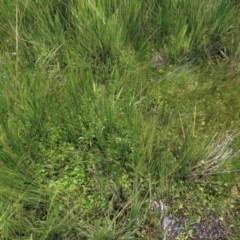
x: 91, y: 132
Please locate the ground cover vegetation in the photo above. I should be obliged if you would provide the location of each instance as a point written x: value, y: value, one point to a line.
x: 108, y: 106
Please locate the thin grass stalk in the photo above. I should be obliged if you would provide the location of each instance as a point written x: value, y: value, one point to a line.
x: 17, y: 44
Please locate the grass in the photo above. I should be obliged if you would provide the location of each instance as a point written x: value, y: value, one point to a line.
x: 106, y: 106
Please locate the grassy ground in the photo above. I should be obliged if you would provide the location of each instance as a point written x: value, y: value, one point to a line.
x: 106, y: 106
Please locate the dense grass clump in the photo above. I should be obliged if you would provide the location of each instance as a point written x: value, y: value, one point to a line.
x: 106, y: 107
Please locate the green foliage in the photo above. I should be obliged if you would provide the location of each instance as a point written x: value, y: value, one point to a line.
x: 107, y: 105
